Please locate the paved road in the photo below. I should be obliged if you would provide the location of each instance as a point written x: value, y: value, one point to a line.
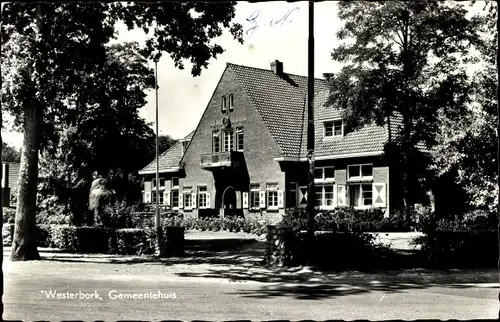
x: 225, y: 292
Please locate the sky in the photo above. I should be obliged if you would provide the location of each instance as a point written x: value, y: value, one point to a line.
x: 183, y: 98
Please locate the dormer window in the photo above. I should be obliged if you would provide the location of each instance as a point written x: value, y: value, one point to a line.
x: 334, y: 129
x: 223, y: 104
x: 231, y: 102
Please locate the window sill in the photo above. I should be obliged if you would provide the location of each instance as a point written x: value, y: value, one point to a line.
x: 272, y: 209
x: 333, y: 137
x: 358, y: 180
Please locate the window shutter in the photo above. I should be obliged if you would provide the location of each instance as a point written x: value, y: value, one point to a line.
x: 262, y: 199
x: 193, y: 200
x: 166, y: 198
x: 208, y: 200
x: 245, y: 200
x: 335, y: 196
x: 341, y: 194
x: 302, y: 195
x: 147, y: 197
x: 379, y: 195
x: 280, y: 199
x: 181, y: 201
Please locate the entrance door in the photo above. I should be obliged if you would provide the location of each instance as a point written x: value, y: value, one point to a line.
x: 229, y: 202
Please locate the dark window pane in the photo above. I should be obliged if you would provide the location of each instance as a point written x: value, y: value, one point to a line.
x: 367, y: 170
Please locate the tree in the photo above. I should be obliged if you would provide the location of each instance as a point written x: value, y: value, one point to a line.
x: 403, y: 67
x: 10, y: 154
x: 469, y: 145
x: 47, y: 48
x: 165, y: 142
x: 85, y: 144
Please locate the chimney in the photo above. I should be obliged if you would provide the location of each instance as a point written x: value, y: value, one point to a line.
x: 277, y: 67
x: 327, y: 76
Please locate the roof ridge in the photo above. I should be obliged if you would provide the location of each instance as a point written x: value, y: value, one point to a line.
x: 268, y: 70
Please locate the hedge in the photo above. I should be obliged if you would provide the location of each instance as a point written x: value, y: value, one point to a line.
x: 126, y: 241
x: 286, y: 247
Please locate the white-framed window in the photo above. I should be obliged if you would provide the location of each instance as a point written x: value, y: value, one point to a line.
x: 174, y: 194
x: 361, y: 195
x: 231, y: 102
x: 228, y: 140
x: 239, y: 138
x: 334, y: 128
x: 175, y: 182
x: 223, y: 104
x: 324, y: 174
x: 360, y: 172
x: 325, y: 195
x: 162, y: 183
x: 254, y: 196
x: 216, y: 141
x: 292, y: 195
x: 202, y: 197
x: 272, y: 195
x: 153, y: 197
x: 187, y: 197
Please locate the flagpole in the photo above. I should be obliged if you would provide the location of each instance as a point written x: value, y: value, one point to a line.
x: 310, y: 135
x: 157, y: 210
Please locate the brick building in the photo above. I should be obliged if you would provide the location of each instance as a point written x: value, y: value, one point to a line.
x: 248, y: 153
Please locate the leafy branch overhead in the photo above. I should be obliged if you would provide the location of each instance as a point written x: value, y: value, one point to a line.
x: 185, y: 30
x: 63, y: 82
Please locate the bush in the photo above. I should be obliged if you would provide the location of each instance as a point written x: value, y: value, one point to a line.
x: 9, y: 215
x: 64, y: 237
x: 7, y: 233
x: 135, y: 241
x: 344, y: 220
x: 459, y: 249
x: 43, y: 235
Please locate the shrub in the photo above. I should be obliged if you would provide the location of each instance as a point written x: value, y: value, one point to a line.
x: 459, y: 249
x: 64, y: 237
x: 9, y: 215
x: 43, y: 235
x: 135, y: 241
x: 116, y: 215
x: 7, y: 233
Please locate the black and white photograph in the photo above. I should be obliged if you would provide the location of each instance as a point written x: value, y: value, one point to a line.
x: 250, y: 160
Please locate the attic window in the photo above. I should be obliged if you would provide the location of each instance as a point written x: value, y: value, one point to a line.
x: 223, y: 104
x: 231, y: 102
x: 334, y: 128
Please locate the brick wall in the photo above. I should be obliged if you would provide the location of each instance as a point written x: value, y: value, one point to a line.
x: 259, y: 147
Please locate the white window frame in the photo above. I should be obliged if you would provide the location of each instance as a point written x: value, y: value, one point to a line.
x: 360, y: 177
x: 162, y: 184
x: 223, y: 104
x: 333, y: 128
x: 216, y: 135
x: 228, y: 135
x: 323, y: 174
x: 361, y: 199
x: 172, y: 183
x: 202, y: 194
x: 161, y: 201
x: 187, y: 198
x: 176, y: 190
x: 254, y: 190
x: 240, y: 134
x: 272, y: 195
x: 231, y: 102
x: 323, y: 205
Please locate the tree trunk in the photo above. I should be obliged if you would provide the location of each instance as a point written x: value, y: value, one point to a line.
x: 498, y: 128
x: 24, y: 241
x: 1, y: 221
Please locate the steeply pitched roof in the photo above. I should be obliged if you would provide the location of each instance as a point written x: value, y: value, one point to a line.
x: 280, y: 102
x: 170, y: 158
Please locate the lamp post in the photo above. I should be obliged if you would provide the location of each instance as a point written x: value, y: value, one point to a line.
x: 310, y: 133
x: 157, y: 210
